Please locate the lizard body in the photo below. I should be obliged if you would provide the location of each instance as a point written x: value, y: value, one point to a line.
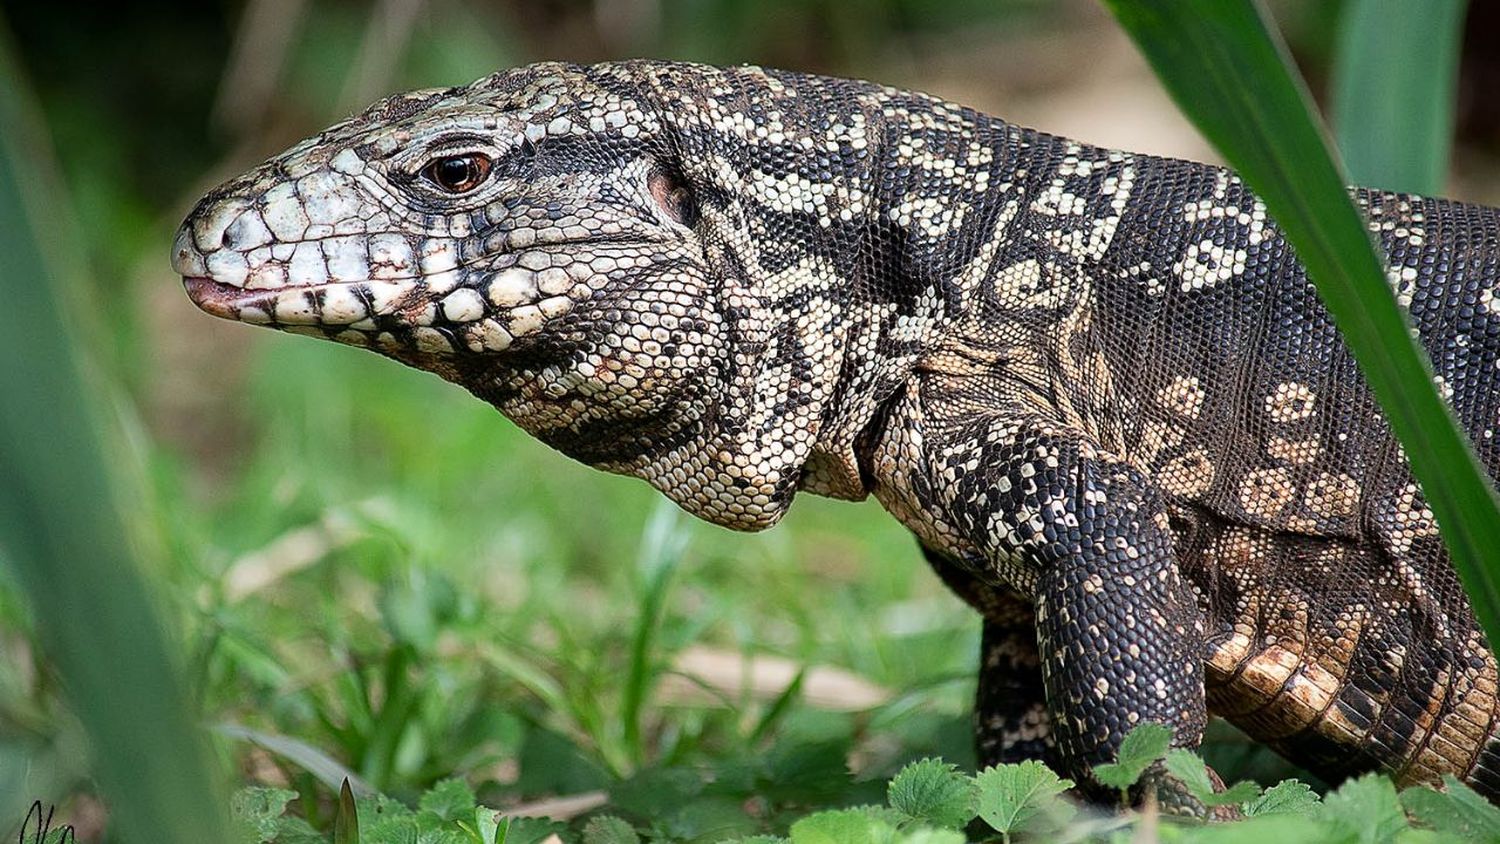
x: 1096, y: 385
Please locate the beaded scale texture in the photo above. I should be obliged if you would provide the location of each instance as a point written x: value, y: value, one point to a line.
x: 1096, y: 385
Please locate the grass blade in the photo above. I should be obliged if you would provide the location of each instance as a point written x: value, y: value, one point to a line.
x: 661, y: 552
x: 1232, y: 77
x: 346, y: 821
x: 59, y: 525
x: 324, y: 768
x: 1394, y: 75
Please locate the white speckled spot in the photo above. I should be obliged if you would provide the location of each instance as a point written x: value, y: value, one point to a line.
x: 254, y: 315
x: 555, y: 306
x: 390, y: 256
x: 526, y: 319
x: 293, y: 308
x: 329, y: 197
x: 386, y: 296
x: 185, y: 255
x: 341, y: 306
x: 437, y: 255
x: 283, y: 213
x: 553, y: 281
x: 348, y: 162
x: 463, y: 305
x: 247, y: 232
x: 1290, y: 402
x: 347, y: 259
x: 494, y: 336
x: 267, y: 276
x: 432, y: 341
x: 513, y: 287
x: 227, y: 267
x: 208, y: 229
x: 306, y: 266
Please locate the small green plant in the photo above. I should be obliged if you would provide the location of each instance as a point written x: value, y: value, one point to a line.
x: 1022, y: 798
x: 928, y: 801
x: 1142, y: 748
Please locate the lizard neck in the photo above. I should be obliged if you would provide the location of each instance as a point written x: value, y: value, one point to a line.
x: 952, y: 186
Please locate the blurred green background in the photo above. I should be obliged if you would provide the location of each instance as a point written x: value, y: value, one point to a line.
x: 365, y: 571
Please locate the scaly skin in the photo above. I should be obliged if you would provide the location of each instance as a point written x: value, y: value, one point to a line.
x: 1096, y: 385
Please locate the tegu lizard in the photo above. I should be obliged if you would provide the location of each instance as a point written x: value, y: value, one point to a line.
x: 1098, y: 386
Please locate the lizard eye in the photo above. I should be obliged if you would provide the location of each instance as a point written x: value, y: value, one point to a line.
x: 458, y: 173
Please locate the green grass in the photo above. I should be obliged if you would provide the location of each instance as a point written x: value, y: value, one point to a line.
x: 450, y: 564
x: 61, y: 535
x: 1395, y: 75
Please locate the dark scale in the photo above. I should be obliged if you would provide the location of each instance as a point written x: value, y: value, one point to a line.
x: 1097, y: 386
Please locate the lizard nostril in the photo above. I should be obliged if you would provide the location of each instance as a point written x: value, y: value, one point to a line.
x: 247, y: 231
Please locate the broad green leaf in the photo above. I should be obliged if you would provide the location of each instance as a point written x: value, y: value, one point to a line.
x: 1232, y: 77
x: 843, y: 826
x: 807, y: 770
x: 374, y: 808
x: 1140, y: 748
x: 1458, y: 810
x: 61, y: 531
x: 929, y: 835
x: 432, y: 830
x: 1012, y: 797
x: 1365, y: 809
x: 1412, y: 835
x: 482, y: 825
x: 256, y: 810
x: 1395, y: 74
x: 450, y: 800
x: 1288, y: 797
x: 392, y: 830
x: 299, y: 831
x: 527, y: 830
x: 1274, y: 829
x: 1190, y: 770
x: 555, y: 763
x: 934, y: 792
x: 653, y: 793
x: 346, y: 820
x: 708, y: 819
x: 608, y: 829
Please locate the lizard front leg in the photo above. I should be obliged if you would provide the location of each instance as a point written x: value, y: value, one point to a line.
x: 1085, y: 535
x: 1011, y: 722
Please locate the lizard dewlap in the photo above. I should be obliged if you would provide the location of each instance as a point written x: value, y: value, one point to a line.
x: 1097, y: 386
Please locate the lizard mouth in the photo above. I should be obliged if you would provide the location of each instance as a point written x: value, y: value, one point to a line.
x: 392, y: 316
x: 332, y: 304
x: 215, y: 298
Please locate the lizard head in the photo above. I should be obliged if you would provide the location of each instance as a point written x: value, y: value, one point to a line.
x: 565, y: 243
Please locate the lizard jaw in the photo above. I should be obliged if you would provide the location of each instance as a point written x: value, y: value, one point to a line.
x: 329, y: 305
x: 394, y: 316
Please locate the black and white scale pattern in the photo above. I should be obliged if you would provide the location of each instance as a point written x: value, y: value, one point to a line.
x: 1096, y: 385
